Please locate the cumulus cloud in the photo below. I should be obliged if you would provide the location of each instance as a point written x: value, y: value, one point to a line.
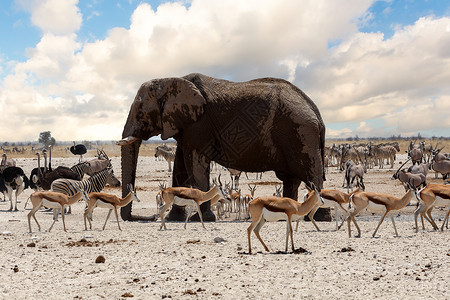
x: 368, y: 77
x: 54, y: 16
x: 82, y: 90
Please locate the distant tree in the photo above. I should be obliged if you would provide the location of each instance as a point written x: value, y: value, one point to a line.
x: 46, y: 138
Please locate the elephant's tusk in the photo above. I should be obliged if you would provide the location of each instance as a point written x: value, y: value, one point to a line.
x: 126, y: 141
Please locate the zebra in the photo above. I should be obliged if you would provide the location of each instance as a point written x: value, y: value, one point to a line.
x: 81, y: 168
x: 384, y: 152
x: 167, y: 153
x: 96, y: 183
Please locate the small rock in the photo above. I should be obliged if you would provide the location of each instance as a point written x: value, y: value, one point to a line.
x: 192, y: 241
x: 127, y: 295
x: 301, y: 250
x: 219, y: 240
x: 32, y: 244
x: 100, y: 259
x: 346, y: 249
x: 189, y: 292
x: 16, y: 269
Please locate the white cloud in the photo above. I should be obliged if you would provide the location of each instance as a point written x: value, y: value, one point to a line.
x: 54, y: 16
x: 368, y: 77
x: 334, y: 133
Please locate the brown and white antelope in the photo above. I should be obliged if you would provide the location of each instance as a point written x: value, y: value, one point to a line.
x: 54, y: 200
x: 235, y: 175
x: 159, y: 200
x: 109, y: 201
x: 332, y: 199
x: 249, y: 197
x: 278, y: 191
x: 272, y: 209
x: 190, y: 197
x: 430, y: 196
x: 378, y: 202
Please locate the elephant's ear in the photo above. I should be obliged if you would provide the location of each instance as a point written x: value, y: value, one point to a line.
x: 181, y: 105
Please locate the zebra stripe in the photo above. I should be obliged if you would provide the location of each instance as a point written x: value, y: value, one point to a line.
x: 81, y: 168
x: 95, y: 183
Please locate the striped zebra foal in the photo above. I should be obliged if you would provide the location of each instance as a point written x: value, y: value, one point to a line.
x: 167, y: 153
x: 94, y: 183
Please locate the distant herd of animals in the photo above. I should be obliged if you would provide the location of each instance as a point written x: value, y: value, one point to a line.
x: 59, y: 188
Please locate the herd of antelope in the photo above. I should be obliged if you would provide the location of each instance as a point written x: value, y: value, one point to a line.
x: 227, y: 198
x: 355, y: 160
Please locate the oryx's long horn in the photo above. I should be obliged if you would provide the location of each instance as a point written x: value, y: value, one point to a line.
x: 395, y: 174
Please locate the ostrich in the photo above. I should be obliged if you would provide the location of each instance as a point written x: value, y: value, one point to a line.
x: 46, y: 178
x: 13, y: 178
x: 7, y: 162
x: 78, y: 150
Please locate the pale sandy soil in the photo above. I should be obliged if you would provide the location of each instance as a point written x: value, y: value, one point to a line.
x: 145, y: 263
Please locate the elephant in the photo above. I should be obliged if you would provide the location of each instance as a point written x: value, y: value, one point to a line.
x: 254, y: 126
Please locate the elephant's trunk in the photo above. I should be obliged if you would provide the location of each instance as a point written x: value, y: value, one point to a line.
x: 130, y: 154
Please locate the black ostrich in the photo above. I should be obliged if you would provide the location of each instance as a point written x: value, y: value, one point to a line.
x: 79, y: 149
x: 45, y: 179
x: 13, y: 178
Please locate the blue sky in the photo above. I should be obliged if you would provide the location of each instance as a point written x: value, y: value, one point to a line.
x: 387, y: 15
x: 72, y: 67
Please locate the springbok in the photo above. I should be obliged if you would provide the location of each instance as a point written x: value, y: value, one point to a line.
x: 272, y: 209
x: 378, y: 202
x: 332, y: 199
x: 159, y: 199
x: 430, y: 196
x: 54, y: 200
x: 109, y: 201
x: 190, y: 197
